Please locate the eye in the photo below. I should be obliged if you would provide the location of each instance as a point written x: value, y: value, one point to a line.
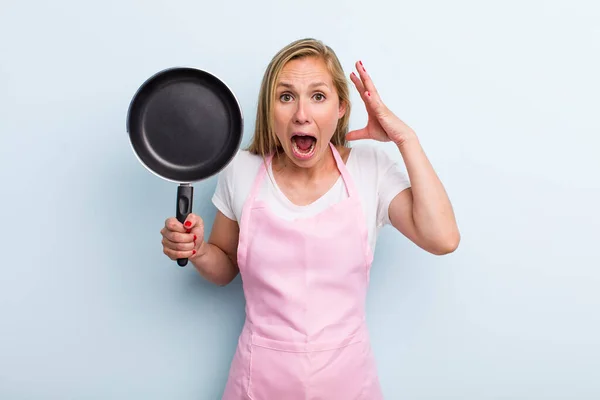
x: 285, y: 97
x: 319, y: 96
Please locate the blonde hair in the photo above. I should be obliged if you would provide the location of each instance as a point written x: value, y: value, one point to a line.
x: 265, y: 141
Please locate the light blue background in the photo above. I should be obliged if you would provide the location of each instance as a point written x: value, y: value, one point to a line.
x: 504, y: 96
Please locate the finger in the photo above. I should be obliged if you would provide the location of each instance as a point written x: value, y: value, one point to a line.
x: 174, y: 225
x: 365, y: 95
x: 177, y: 237
x: 367, y: 82
x: 358, y: 84
x: 357, y: 134
x: 371, y: 95
x: 178, y: 246
x: 370, y: 91
x: 174, y: 254
x: 192, y: 221
x: 197, y: 231
x: 197, y: 234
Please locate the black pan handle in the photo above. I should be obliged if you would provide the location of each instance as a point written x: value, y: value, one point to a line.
x: 185, y: 199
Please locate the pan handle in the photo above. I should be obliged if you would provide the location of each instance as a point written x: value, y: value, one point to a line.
x: 185, y: 199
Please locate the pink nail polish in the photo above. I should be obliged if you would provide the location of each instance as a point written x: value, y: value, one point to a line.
x: 369, y: 94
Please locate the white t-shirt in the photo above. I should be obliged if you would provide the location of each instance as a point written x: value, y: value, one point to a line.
x: 377, y: 177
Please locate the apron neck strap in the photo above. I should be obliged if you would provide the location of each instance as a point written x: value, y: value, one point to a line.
x: 343, y: 171
x: 351, y: 189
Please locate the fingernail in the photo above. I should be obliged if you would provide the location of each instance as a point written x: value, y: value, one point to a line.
x: 188, y: 223
x: 361, y: 64
x: 195, y: 238
x: 188, y: 230
x: 369, y: 94
x: 193, y: 252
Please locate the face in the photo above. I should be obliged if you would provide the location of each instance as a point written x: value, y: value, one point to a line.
x: 306, y: 110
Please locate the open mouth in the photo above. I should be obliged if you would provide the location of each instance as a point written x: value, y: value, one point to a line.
x: 303, y: 145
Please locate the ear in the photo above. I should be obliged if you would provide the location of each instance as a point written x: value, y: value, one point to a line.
x: 342, y: 109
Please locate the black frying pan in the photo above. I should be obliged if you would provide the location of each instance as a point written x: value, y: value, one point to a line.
x: 184, y: 125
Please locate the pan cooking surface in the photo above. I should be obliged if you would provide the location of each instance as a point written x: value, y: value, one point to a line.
x: 185, y: 125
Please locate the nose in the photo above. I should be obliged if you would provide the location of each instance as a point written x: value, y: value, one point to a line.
x: 301, y: 116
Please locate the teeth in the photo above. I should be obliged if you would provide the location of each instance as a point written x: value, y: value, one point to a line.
x: 312, y: 147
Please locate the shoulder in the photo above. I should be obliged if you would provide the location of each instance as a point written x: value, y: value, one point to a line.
x: 234, y: 183
x: 380, y: 175
x: 244, y: 158
x: 236, y: 176
x: 373, y: 158
x: 378, y: 168
x: 242, y: 164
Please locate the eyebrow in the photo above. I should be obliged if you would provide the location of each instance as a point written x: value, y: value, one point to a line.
x: 312, y: 85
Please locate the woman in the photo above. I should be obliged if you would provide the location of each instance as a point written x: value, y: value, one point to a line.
x: 298, y: 214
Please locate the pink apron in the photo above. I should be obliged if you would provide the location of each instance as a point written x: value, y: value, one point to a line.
x: 305, y: 283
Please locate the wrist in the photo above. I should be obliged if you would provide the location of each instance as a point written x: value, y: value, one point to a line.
x: 203, y: 250
x: 407, y: 141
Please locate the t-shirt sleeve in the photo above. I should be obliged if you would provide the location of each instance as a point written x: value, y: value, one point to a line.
x: 392, y: 180
x: 223, y: 196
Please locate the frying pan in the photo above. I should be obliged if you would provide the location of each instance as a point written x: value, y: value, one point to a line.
x: 184, y: 125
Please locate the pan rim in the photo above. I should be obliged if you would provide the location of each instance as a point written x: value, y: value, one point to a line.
x: 152, y: 78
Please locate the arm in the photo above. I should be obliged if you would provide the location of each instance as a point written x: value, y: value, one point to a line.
x: 424, y: 213
x: 216, y: 259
